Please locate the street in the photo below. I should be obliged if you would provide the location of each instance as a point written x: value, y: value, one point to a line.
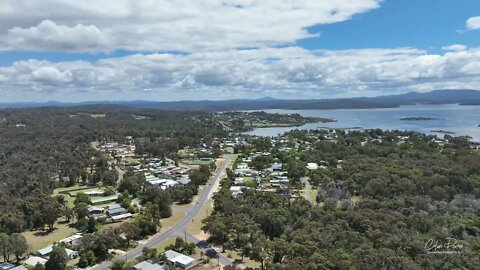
x: 179, y: 228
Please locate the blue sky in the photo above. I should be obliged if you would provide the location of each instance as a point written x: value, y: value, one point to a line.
x: 173, y: 50
x: 425, y: 24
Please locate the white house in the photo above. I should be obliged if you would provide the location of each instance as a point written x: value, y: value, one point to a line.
x: 180, y: 260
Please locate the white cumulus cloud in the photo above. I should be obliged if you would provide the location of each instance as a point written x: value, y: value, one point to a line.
x: 165, y: 25
x: 48, y: 36
x: 289, y: 72
x: 455, y: 48
x: 473, y: 23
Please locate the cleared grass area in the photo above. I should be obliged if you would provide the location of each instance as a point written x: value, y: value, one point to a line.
x: 230, y: 150
x: 314, y: 195
x: 73, y: 262
x: 249, y: 182
x: 40, y: 239
x: 201, y: 162
x: 246, y: 261
x: 131, y: 161
x: 103, y: 227
x: 195, y: 226
x: 67, y: 197
x: 175, y: 218
x: 161, y: 247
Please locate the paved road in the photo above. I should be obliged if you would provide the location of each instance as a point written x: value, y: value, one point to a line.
x: 222, y: 258
x: 179, y: 228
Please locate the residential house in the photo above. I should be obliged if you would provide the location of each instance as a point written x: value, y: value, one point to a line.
x: 96, y: 192
x: 236, y: 190
x: 45, y: 252
x: 145, y: 265
x: 180, y: 260
x: 115, y: 210
x: 105, y: 200
x: 72, y: 240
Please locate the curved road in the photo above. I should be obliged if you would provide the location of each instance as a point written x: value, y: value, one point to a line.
x: 179, y: 227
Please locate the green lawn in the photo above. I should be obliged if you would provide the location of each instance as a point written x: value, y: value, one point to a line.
x: 249, y: 182
x: 201, y: 162
x: 314, y: 195
x: 37, y: 239
x: 68, y: 198
x: 131, y: 161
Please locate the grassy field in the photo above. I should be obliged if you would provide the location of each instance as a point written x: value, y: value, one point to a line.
x: 161, y: 247
x: 195, y: 226
x: 67, y: 197
x: 175, y: 218
x: 200, y: 162
x: 38, y: 239
x: 314, y: 195
x: 246, y: 261
x: 249, y: 182
x: 131, y: 161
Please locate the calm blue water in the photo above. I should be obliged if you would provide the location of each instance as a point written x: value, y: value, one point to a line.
x: 462, y: 120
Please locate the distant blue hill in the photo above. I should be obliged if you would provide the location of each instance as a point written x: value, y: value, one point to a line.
x: 464, y: 97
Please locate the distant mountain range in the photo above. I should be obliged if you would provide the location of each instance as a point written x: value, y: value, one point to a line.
x: 463, y: 97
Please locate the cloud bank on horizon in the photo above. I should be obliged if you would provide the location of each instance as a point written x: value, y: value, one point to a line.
x: 212, y: 49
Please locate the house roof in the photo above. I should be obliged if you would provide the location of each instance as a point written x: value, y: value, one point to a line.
x: 116, y: 211
x: 179, y: 258
x: 48, y: 249
x: 95, y: 209
x: 122, y: 216
x: 6, y: 265
x: 20, y: 267
x: 148, y: 266
x: 71, y: 238
x: 114, y: 206
x: 33, y: 260
x: 105, y: 199
x: 94, y: 192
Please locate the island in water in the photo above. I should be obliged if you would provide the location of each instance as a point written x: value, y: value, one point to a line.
x: 442, y: 131
x: 419, y: 118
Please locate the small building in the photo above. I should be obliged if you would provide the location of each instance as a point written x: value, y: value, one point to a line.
x: 96, y: 192
x: 94, y: 210
x: 276, y: 167
x: 238, y: 180
x: 184, y: 180
x: 122, y: 217
x: 105, y: 200
x: 72, y: 240
x: 180, y: 260
x: 6, y: 265
x: 148, y: 266
x: 116, y: 211
x: 312, y: 166
x: 45, y: 252
x: 236, y: 190
x: 19, y: 267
